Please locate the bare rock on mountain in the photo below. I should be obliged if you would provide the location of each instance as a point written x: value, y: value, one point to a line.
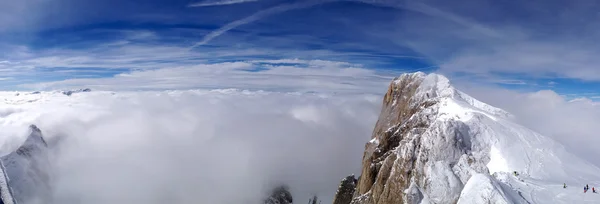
x: 435, y: 144
x: 412, y: 156
x: 280, y: 195
x: 345, y: 190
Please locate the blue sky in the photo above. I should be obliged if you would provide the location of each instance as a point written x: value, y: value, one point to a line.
x: 309, y: 45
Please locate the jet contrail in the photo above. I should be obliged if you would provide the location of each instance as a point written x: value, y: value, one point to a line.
x: 219, y: 3
x: 418, y: 7
x: 258, y: 16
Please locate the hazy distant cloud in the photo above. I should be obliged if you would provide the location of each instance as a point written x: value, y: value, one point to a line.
x: 191, y: 146
x: 138, y: 62
x: 509, y: 82
x: 219, y: 2
x: 303, y: 75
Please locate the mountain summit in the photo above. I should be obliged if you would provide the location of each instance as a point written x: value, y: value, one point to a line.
x: 435, y: 144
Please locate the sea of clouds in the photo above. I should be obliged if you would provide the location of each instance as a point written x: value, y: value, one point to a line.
x: 223, y: 146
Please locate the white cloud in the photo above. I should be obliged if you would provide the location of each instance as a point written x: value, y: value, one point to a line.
x: 219, y: 2
x: 222, y: 146
x: 304, y: 76
x: 573, y: 123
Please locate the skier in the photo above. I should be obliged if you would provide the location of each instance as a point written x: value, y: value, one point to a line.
x: 564, y: 185
x: 593, y: 190
x: 584, y: 189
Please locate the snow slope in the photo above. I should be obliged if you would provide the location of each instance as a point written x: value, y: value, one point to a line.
x: 461, y: 149
x: 482, y: 188
x: 542, y: 163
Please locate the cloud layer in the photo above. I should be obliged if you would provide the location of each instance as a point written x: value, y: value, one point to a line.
x: 273, y: 75
x: 212, y: 146
x: 188, y: 145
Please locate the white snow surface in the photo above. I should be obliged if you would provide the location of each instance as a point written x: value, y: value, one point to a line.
x: 482, y: 188
x: 498, y: 146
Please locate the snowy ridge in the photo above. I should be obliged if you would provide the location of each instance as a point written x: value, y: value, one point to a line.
x: 436, y: 85
x: 454, y: 148
x: 26, y: 170
x: 510, y: 146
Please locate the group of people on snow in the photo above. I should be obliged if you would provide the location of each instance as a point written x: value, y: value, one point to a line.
x: 586, y: 188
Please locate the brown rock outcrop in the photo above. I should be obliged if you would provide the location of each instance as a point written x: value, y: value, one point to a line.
x: 411, y: 155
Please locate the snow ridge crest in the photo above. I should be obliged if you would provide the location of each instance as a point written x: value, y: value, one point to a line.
x: 437, y: 86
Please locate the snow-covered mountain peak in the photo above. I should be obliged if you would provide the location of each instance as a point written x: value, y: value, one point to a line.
x: 431, y: 139
x: 436, y: 87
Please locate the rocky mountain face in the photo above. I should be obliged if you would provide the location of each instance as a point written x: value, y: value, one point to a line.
x: 25, y: 171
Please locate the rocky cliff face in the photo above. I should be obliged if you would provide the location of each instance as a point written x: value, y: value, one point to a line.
x: 26, y: 170
x: 414, y: 156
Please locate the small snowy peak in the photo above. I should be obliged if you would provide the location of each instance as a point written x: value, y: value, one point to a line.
x: 280, y: 195
x: 26, y: 169
x: 35, y: 137
x: 408, y: 77
x: 69, y: 93
x: 438, y: 87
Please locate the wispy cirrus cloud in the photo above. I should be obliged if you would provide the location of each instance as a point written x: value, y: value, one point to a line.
x: 488, y: 37
x: 479, y: 40
x: 257, y: 16
x: 219, y: 3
